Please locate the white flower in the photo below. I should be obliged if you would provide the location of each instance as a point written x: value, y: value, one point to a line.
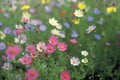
x: 58, y: 26
x: 7, y: 66
x: 41, y: 47
x: 53, y: 22
x: 55, y: 32
x: 84, y: 53
x: 21, y: 39
x: 85, y: 60
x: 74, y: 61
x: 19, y: 26
x: 78, y: 13
x: 91, y: 28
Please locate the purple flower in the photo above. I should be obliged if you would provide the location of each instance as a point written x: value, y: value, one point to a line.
x: 2, y: 46
x: 0, y: 23
x: 96, y: 11
x: 43, y: 27
x: 67, y: 25
x: 90, y: 18
x: 74, y: 34
x: 7, y: 30
x: 97, y: 36
x: 14, y: 33
x: 47, y: 9
x: 59, y: 5
x: 52, y: 3
x: 29, y: 27
x: 6, y: 15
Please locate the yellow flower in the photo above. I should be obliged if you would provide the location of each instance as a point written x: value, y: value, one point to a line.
x: 2, y: 35
x: 81, y: 5
x: 25, y: 7
x: 76, y: 21
x: 45, y: 1
x: 111, y: 9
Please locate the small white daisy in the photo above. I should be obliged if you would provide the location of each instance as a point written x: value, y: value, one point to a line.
x: 74, y: 61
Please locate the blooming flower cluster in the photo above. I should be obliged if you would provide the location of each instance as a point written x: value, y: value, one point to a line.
x: 54, y: 39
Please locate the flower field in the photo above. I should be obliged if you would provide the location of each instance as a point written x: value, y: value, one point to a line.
x: 59, y: 40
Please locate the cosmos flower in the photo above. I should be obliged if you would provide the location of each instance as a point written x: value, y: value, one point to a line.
x: 43, y: 28
x: 41, y: 47
x: 0, y: 23
x: 73, y: 41
x: 55, y: 32
x: 65, y: 75
x: 78, y: 13
x: 53, y: 22
x: 96, y: 11
x: 13, y: 51
x: 25, y: 7
x: 50, y: 48
x: 31, y: 74
x: 2, y: 35
x: 45, y: 1
x: 81, y: 5
x: 29, y: 27
x: 84, y: 60
x: 21, y: 39
x: 7, y: 30
x: 91, y: 28
x: 58, y: 26
x: 26, y: 60
x: 97, y: 36
x: 34, y: 54
x: 74, y: 34
x: 2, y: 46
x: 30, y: 48
x: 84, y: 53
x: 111, y: 9
x: 90, y: 18
x: 74, y: 61
x: 67, y: 25
x: 62, y: 46
x: 76, y: 21
x: 6, y: 15
x: 53, y: 40
x: 47, y: 9
x: 7, y: 66
x: 25, y: 17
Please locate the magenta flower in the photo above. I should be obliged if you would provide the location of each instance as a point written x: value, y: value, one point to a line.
x: 50, y: 48
x: 26, y: 60
x: 13, y: 51
x: 65, y: 75
x: 62, y: 46
x: 31, y: 74
x: 53, y: 40
x: 30, y: 48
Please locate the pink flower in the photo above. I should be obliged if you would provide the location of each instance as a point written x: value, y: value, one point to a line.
x: 62, y: 46
x: 31, y: 74
x: 73, y: 41
x: 30, y: 48
x: 50, y: 48
x: 13, y: 51
x: 65, y: 75
x: 26, y: 60
x: 41, y: 47
x: 4, y: 57
x: 19, y: 31
x: 53, y: 40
